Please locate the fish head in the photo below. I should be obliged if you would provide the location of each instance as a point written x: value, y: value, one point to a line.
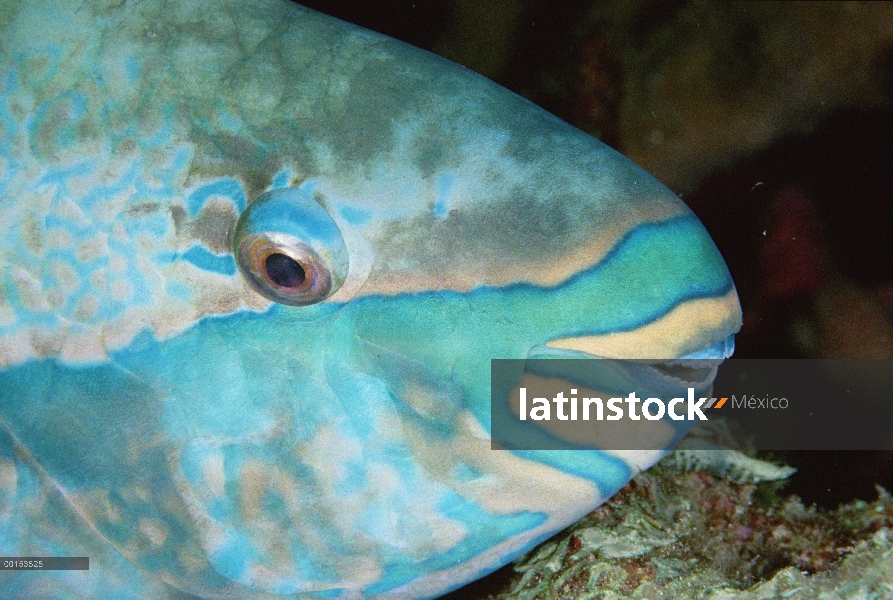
x: 254, y: 276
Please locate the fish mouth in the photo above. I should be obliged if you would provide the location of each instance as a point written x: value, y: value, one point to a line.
x: 684, y: 373
x: 697, y: 369
x: 547, y: 370
x: 672, y: 376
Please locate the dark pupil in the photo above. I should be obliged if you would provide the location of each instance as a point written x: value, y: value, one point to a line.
x: 284, y: 271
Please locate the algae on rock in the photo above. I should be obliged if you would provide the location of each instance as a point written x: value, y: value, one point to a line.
x: 677, y: 534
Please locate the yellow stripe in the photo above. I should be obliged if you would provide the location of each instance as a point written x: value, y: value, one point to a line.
x: 689, y: 327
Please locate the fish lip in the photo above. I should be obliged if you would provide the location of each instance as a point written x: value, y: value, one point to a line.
x: 696, y: 369
x: 719, y: 351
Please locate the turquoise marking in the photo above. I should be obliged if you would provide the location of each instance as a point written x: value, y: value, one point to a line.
x: 66, y: 428
x: 355, y: 216
x: 167, y: 174
x: 161, y: 136
x: 231, y: 560
x: 95, y: 201
x: 282, y: 179
x: 51, y: 55
x: 155, y: 224
x: 607, y: 472
x: 9, y: 130
x: 309, y: 185
x: 227, y: 188
x: 70, y: 104
x: 444, y: 186
x: 132, y: 68
x: 204, y: 259
x: 178, y: 291
x: 354, y: 480
x: 190, y: 462
x: 61, y: 176
x: 371, y: 397
x: 464, y: 473
x: 402, y: 569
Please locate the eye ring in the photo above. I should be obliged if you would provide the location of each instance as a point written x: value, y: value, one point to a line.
x: 297, y: 275
x: 289, y: 249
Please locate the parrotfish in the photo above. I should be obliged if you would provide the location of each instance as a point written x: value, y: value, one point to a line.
x: 254, y: 265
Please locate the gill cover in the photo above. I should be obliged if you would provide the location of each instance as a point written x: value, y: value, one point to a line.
x: 289, y: 249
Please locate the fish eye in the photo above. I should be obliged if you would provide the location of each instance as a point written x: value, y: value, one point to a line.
x: 284, y: 271
x: 289, y: 249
